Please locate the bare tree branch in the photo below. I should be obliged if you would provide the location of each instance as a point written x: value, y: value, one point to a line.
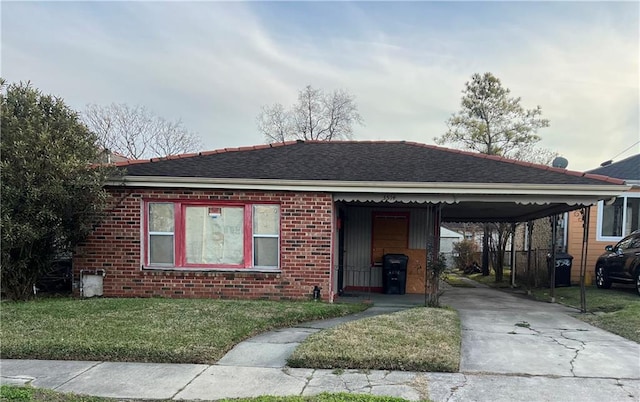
x: 135, y: 132
x: 275, y: 123
x: 316, y: 116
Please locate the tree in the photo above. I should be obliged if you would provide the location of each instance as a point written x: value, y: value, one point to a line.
x: 534, y: 154
x: 316, y: 116
x: 51, y: 194
x: 135, y: 132
x: 492, y: 122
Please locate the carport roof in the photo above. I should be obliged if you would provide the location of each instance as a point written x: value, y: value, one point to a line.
x: 474, y: 187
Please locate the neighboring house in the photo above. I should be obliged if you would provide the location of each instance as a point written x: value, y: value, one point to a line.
x: 608, y: 222
x: 447, y: 240
x: 275, y: 221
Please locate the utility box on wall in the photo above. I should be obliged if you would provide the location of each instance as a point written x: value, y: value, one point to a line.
x: 91, y: 283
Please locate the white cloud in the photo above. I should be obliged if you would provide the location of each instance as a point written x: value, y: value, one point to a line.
x: 216, y: 64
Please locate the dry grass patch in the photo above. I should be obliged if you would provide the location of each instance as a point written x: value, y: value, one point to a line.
x: 419, y: 339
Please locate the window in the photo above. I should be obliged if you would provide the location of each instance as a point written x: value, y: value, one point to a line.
x: 266, y: 229
x: 620, y: 218
x: 203, y: 235
x: 161, y: 233
x: 214, y: 238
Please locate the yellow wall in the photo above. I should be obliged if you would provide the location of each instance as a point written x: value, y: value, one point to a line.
x: 574, y: 240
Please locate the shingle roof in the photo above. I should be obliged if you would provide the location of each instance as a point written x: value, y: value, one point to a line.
x: 626, y: 169
x: 370, y: 161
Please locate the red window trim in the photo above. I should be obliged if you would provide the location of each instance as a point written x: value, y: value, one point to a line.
x: 179, y: 241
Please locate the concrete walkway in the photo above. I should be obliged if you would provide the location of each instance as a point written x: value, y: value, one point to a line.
x: 513, y: 349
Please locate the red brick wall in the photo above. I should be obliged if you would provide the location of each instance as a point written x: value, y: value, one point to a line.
x: 305, y: 250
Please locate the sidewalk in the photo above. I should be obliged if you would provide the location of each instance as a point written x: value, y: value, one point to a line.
x: 557, y: 359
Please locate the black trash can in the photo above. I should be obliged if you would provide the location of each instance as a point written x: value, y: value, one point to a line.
x: 563, y: 269
x: 394, y: 274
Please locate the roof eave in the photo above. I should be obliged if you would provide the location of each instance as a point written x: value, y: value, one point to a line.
x: 598, y: 190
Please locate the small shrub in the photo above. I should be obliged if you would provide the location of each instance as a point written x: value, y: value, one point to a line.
x: 464, y: 252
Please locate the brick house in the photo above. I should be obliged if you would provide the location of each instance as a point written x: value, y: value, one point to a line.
x: 275, y: 221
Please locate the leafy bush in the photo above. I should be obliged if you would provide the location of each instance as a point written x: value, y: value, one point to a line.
x: 464, y: 252
x: 51, y: 196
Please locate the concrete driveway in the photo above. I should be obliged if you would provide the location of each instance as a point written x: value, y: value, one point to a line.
x: 503, y: 333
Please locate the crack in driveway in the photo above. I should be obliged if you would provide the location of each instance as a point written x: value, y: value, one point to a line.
x: 456, y: 388
x: 563, y: 334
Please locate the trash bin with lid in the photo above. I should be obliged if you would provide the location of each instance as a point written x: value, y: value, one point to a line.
x: 563, y: 269
x: 394, y: 273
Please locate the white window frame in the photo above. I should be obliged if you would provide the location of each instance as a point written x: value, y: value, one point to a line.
x: 255, y: 236
x: 154, y: 233
x: 616, y: 239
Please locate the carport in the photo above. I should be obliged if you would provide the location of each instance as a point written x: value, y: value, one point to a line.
x: 541, y: 192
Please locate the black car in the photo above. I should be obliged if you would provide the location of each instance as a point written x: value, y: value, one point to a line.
x: 621, y: 263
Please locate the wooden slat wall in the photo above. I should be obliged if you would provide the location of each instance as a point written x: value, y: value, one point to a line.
x: 358, y: 246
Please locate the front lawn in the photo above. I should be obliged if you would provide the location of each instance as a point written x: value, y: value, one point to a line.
x: 146, y: 330
x: 419, y: 339
x: 616, y: 310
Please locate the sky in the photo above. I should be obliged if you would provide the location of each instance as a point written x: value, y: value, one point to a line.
x: 215, y: 64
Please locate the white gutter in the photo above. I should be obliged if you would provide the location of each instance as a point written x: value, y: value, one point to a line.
x: 604, y: 191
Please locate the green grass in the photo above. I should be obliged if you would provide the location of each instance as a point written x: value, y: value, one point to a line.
x: 616, y: 310
x: 146, y: 330
x: 420, y: 339
x: 490, y: 280
x: 11, y: 393
x: 27, y: 394
x: 455, y: 280
x: 324, y: 397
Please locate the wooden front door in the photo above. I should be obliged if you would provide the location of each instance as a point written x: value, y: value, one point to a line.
x: 390, y: 230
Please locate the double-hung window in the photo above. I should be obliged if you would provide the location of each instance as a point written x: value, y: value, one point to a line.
x: 266, y: 228
x: 618, y: 219
x: 161, y: 229
x: 190, y: 234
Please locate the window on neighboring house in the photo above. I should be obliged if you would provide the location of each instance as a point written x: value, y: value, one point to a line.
x: 618, y: 219
x: 203, y: 235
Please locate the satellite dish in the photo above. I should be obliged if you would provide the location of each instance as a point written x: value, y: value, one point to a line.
x: 560, y: 162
